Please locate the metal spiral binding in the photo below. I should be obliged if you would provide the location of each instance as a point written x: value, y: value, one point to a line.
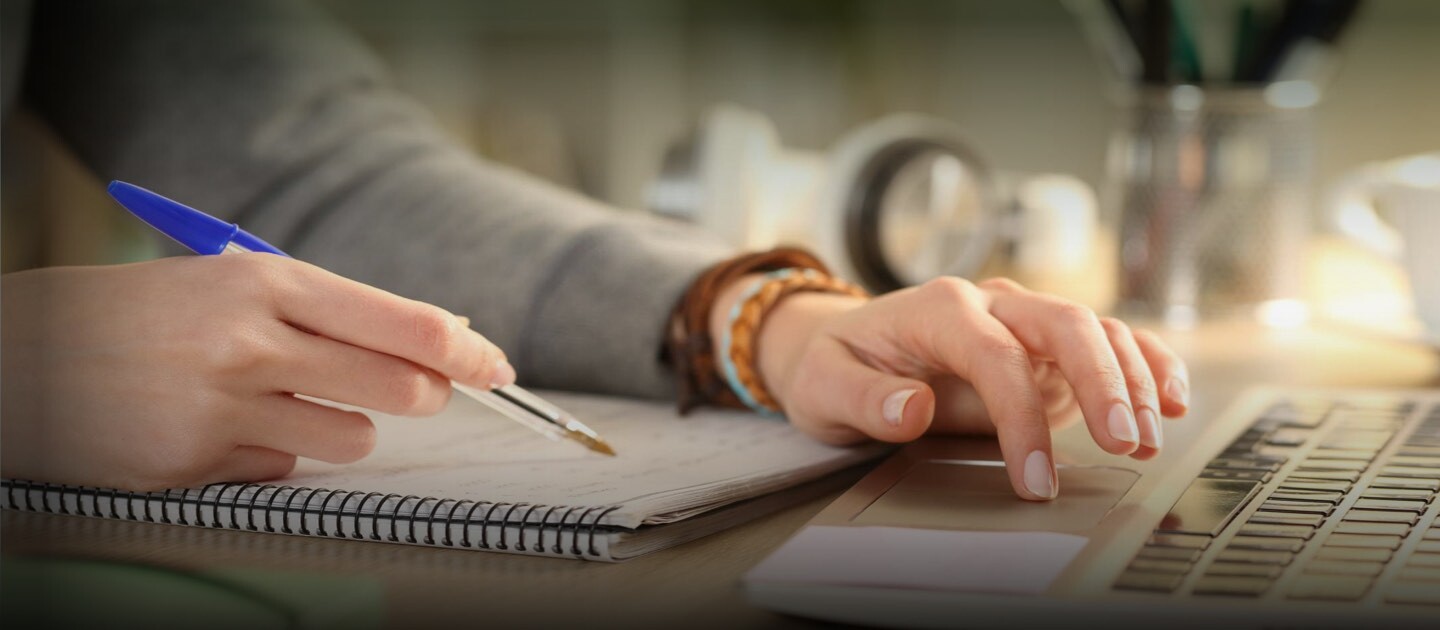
x: 574, y: 528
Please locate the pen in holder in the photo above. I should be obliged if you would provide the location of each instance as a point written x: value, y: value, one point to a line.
x: 1212, y: 188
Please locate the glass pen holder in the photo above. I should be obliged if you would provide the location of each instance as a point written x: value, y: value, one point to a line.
x: 1211, y: 188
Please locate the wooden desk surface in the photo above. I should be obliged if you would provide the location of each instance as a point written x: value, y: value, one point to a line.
x: 696, y: 584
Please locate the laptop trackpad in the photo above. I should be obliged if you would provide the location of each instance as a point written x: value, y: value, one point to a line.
x: 976, y: 496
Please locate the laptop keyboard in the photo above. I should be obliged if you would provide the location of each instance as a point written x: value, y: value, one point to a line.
x: 1329, y: 499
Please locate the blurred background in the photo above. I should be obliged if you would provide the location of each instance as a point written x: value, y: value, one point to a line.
x: 612, y: 97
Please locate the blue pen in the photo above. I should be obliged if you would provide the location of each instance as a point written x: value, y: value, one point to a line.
x: 207, y: 235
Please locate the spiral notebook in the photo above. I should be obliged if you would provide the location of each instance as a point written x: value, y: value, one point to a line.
x: 469, y: 479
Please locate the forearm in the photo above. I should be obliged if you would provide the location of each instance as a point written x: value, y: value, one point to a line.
x: 266, y: 114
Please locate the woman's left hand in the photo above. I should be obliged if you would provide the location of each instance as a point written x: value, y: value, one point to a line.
x: 956, y: 357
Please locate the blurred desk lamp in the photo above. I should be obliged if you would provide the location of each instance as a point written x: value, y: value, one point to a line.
x: 893, y: 203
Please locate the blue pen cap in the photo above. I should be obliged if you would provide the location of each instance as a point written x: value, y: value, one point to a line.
x: 200, y: 232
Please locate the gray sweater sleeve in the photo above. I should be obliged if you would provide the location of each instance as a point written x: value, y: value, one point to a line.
x: 266, y: 114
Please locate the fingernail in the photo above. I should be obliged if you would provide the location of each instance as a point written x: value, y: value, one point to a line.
x: 1178, y: 391
x: 1150, y: 428
x: 1039, y: 476
x: 894, y: 408
x: 1122, y: 424
x: 504, y: 374
x: 464, y: 321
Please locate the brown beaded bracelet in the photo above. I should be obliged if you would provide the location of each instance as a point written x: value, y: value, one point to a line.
x: 739, y: 348
x: 689, y: 349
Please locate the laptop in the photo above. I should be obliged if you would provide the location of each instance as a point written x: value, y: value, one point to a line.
x: 1311, y: 508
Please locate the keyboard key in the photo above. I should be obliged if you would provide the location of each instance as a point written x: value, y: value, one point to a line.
x: 1297, y: 507
x: 1433, y: 533
x: 1428, y: 546
x: 1414, y: 593
x: 1232, y: 585
x: 1169, y: 553
x: 1431, y: 560
x: 1177, y: 567
x: 1421, y: 574
x: 1265, y: 464
x: 1343, y: 453
x: 1302, y: 532
x: 1354, y: 554
x: 1357, y: 439
x: 1207, y: 506
x: 1335, y: 464
x: 1411, y: 471
x: 1269, y: 452
x: 1324, y: 486
x: 1363, y: 540
x: 1245, y: 569
x: 1145, y: 581
x: 1244, y: 475
x: 1255, y: 556
x: 1378, y: 516
x: 1333, y: 587
x: 1419, y: 494
x: 1414, y: 460
x: 1384, y: 529
x: 1266, y: 543
x: 1432, y: 485
x: 1285, y: 518
x: 1384, y: 422
x: 1419, y: 451
x: 1310, y: 496
x: 1345, y: 567
x: 1325, y: 475
x: 1290, y: 436
x: 1185, y: 541
x: 1390, y: 504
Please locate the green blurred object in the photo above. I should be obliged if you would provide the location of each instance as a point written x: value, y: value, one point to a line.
x: 1184, y: 52
x: 1246, y: 32
x: 74, y: 593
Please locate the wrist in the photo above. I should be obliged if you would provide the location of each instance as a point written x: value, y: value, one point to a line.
x: 783, y: 333
x: 789, y: 329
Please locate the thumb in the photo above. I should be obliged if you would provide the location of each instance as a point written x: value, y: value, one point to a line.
x: 838, y: 399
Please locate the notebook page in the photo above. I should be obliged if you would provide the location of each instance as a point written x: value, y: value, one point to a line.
x: 667, y: 467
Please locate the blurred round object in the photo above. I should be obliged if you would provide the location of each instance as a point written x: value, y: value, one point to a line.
x: 892, y: 204
x: 916, y: 203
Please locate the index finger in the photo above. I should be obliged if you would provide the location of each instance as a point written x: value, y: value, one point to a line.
x: 979, y: 349
x: 362, y: 315
x: 1073, y: 336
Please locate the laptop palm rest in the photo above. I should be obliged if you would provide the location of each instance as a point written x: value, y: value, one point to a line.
x: 976, y: 496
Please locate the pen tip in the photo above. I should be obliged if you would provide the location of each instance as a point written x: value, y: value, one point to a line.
x: 599, y: 446
x: 593, y: 443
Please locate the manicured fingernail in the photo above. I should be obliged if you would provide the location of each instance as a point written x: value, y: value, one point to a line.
x: 1149, y: 428
x: 1178, y: 391
x: 1039, y: 476
x: 1122, y: 424
x: 504, y: 374
x: 894, y: 407
x: 464, y: 321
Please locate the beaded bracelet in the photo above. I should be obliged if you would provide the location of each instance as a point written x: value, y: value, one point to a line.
x: 738, y: 351
x: 689, y: 348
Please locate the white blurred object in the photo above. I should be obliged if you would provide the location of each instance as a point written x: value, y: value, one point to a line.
x: 1393, y: 209
x: 893, y: 203
x: 1056, y: 223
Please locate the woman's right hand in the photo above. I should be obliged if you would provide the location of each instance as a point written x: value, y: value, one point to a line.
x: 182, y: 371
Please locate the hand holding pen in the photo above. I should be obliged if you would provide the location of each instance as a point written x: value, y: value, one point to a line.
x: 181, y: 371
